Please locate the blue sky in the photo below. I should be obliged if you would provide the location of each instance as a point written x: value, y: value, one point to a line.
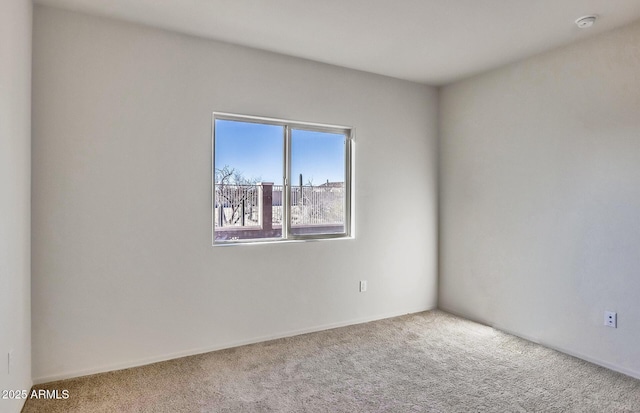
x: 257, y: 151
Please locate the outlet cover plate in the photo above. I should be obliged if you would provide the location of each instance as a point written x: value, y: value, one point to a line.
x: 611, y: 319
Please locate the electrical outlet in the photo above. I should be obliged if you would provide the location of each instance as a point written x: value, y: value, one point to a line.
x: 363, y: 286
x: 611, y: 319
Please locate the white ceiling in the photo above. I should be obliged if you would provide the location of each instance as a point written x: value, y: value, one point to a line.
x: 429, y: 41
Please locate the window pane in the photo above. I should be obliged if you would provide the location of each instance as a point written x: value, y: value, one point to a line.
x: 318, y: 190
x: 249, y: 159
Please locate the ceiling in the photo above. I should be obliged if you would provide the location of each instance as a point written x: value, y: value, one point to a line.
x: 429, y: 41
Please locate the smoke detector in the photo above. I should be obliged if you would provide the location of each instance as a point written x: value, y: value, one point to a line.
x: 585, y: 21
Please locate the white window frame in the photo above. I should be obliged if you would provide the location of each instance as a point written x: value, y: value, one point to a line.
x: 288, y: 125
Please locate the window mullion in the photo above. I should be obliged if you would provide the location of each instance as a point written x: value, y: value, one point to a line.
x: 286, y: 208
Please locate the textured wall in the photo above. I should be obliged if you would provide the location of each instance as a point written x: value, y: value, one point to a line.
x: 123, y: 268
x: 540, y: 198
x: 15, y: 195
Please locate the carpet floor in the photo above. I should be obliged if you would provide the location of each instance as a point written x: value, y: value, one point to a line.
x: 426, y: 362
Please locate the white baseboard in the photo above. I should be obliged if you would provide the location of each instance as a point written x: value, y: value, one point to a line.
x: 593, y: 360
x: 602, y: 363
x: 193, y: 352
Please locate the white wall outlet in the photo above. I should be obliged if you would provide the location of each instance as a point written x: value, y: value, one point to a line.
x: 611, y: 319
x: 363, y: 286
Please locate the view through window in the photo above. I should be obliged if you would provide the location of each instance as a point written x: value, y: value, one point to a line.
x: 276, y: 179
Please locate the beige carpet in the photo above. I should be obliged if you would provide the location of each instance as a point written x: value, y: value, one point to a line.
x: 427, y: 362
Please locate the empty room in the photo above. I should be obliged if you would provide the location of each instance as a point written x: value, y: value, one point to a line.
x: 319, y: 206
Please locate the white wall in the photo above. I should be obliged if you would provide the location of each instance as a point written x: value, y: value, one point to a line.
x: 15, y: 195
x: 123, y: 268
x: 540, y: 198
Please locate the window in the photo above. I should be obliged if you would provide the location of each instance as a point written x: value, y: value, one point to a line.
x: 279, y: 180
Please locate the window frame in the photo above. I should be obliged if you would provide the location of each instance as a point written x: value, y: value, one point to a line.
x: 288, y: 126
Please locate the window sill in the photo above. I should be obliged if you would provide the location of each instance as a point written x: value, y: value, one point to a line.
x: 278, y: 241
